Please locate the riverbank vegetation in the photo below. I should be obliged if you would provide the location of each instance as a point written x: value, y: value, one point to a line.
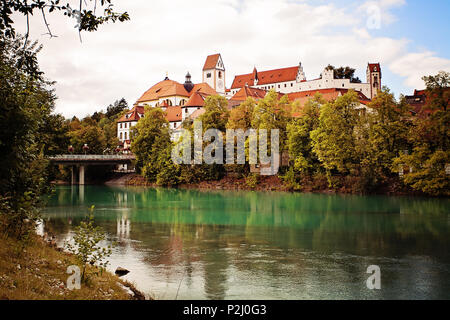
x: 37, y: 271
x: 29, y: 267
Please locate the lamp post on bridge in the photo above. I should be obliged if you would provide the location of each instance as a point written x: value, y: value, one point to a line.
x: 85, y: 148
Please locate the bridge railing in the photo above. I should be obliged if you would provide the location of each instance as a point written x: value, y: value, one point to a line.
x: 67, y: 157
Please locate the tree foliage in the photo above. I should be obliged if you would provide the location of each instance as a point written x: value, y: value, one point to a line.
x: 84, y: 11
x: 344, y: 73
x: 26, y: 134
x: 86, y: 245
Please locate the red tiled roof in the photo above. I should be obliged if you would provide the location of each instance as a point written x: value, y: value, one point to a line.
x: 196, y: 100
x: 329, y: 94
x: 372, y: 67
x: 265, y: 77
x: 203, y: 88
x: 247, y: 91
x: 174, y: 114
x: 211, y: 61
x: 132, y: 115
x: 164, y: 88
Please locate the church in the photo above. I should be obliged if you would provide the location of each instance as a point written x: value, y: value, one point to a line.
x: 183, y: 100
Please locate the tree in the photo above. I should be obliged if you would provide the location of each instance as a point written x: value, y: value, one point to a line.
x: 25, y: 108
x: 91, y: 135
x: 299, y: 138
x: 388, y: 132
x: 241, y: 116
x: 116, y: 108
x: 333, y: 140
x: 273, y: 113
x: 429, y: 137
x: 216, y: 113
x: 344, y: 73
x: 85, y: 13
x: 86, y: 246
x: 150, y: 138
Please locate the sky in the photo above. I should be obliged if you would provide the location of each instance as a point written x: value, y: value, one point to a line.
x: 410, y: 38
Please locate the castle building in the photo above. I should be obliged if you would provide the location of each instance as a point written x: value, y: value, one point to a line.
x: 186, y: 100
x: 292, y: 79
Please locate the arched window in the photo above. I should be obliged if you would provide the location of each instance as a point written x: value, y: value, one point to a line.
x: 220, y: 74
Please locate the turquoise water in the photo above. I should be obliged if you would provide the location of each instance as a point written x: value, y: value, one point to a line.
x: 189, y: 244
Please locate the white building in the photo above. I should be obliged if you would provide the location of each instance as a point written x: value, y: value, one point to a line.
x: 292, y: 79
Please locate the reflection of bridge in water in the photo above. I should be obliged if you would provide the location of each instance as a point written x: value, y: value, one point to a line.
x: 80, y: 161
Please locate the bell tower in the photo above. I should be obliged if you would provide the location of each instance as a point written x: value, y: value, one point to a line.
x: 214, y: 73
x: 374, y: 78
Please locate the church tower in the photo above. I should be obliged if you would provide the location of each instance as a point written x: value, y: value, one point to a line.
x: 214, y: 73
x: 374, y: 78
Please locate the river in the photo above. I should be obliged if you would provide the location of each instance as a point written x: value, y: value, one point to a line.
x: 189, y: 244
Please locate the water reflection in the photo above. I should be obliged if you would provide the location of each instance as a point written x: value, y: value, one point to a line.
x: 218, y: 245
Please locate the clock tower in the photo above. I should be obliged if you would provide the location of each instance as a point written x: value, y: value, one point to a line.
x: 214, y: 73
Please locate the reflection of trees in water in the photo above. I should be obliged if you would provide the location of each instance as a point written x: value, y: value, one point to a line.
x: 268, y: 233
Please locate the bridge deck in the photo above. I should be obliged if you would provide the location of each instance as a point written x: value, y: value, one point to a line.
x: 92, y: 159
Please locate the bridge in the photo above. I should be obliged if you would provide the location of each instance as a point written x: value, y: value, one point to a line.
x: 80, y: 161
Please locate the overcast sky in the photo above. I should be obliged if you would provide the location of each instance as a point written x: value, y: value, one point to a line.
x: 175, y: 36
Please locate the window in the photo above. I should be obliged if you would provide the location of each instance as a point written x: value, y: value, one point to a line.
x: 285, y: 85
x: 220, y: 74
x: 208, y: 75
x: 125, y: 135
x: 292, y: 84
x: 186, y: 110
x: 120, y: 136
x: 278, y: 86
x: 120, y: 126
x: 342, y: 85
x: 174, y: 125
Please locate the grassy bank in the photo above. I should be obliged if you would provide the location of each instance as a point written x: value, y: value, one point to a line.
x: 37, y: 271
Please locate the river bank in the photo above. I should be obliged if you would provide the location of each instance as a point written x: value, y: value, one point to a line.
x: 344, y: 185
x: 36, y: 270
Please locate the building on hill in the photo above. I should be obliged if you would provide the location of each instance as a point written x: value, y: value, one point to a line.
x: 327, y: 94
x: 418, y: 102
x: 292, y: 79
x: 214, y: 73
x: 178, y: 100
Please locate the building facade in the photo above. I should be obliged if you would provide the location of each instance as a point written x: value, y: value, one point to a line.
x: 292, y: 79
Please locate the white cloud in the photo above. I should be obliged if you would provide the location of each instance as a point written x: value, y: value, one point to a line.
x: 125, y: 59
x: 413, y: 66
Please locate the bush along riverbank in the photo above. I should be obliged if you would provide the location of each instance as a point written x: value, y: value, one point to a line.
x: 282, y: 183
x: 34, y: 269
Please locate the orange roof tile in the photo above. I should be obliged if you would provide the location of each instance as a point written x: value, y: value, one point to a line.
x: 133, y: 115
x: 204, y: 88
x: 174, y: 114
x: 196, y: 100
x: 164, y: 88
x: 211, y: 61
x: 265, y: 77
x: 247, y: 91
